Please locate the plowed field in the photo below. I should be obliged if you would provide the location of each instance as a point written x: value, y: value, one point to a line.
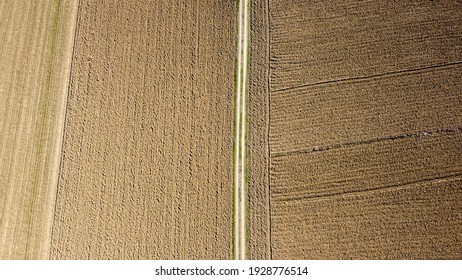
x: 259, y: 231
x: 365, y: 129
x: 148, y: 145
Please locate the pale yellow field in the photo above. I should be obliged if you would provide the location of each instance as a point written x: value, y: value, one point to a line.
x: 35, y: 54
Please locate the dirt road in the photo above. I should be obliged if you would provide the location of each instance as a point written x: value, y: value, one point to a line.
x: 240, y: 153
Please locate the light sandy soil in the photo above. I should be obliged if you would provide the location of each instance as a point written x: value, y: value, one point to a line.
x: 147, y: 158
x: 35, y: 54
x: 365, y: 129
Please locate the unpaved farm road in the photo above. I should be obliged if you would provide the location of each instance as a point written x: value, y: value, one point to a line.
x: 240, y: 134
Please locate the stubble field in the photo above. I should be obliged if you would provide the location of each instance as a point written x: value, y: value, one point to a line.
x: 35, y: 54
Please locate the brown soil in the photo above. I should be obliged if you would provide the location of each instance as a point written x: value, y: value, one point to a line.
x: 147, y: 156
x: 365, y: 129
x: 419, y: 221
x: 258, y: 156
x: 35, y: 51
x: 314, y: 42
x: 366, y: 167
x: 360, y: 110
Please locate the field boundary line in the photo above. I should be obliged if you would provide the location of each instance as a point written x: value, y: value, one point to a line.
x: 387, y: 188
x: 415, y: 135
x: 409, y: 71
x: 63, y: 128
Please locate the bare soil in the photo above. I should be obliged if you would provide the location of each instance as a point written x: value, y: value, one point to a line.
x: 361, y: 110
x: 365, y: 129
x: 419, y: 221
x: 320, y: 41
x: 258, y: 156
x: 147, y: 156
